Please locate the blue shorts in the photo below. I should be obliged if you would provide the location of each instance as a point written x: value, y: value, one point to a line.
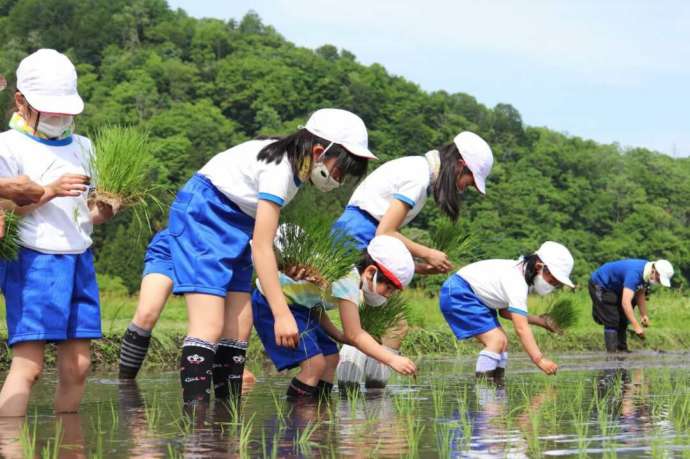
x: 465, y: 313
x: 157, y: 258
x: 51, y: 297
x: 358, y: 224
x: 209, y: 241
x: 313, y: 339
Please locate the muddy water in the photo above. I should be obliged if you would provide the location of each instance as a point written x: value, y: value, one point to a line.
x: 596, y: 406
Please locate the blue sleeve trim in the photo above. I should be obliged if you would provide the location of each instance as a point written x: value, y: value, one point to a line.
x: 272, y: 198
x: 517, y: 311
x: 404, y: 199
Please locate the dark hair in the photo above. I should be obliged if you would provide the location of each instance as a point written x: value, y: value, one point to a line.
x: 530, y: 270
x: 298, y: 148
x: 365, y: 261
x: 445, y: 187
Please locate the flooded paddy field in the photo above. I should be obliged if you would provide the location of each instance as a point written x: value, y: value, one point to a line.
x: 597, y: 406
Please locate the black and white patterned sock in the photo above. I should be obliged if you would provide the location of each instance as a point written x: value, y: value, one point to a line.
x: 196, y: 369
x: 133, y: 349
x: 228, y: 368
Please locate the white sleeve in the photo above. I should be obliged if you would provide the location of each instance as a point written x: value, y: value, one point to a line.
x: 9, y: 166
x: 515, y: 292
x: 411, y: 189
x: 274, y: 181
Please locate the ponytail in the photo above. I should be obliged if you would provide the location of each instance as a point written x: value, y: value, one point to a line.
x: 445, y: 187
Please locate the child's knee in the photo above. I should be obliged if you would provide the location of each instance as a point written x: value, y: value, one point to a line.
x: 146, y: 318
x: 32, y: 371
x: 75, y: 370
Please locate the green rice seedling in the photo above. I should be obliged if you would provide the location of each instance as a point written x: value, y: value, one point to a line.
x: 303, y: 438
x: 444, y: 435
x: 563, y: 313
x: 415, y: 429
x: 121, y: 169
x: 307, y: 246
x: 27, y: 437
x: 245, y: 435
x: 438, y: 397
x: 9, y: 244
x: 51, y: 450
x: 173, y: 453
x: 152, y: 412
x: 377, y: 320
x: 447, y: 237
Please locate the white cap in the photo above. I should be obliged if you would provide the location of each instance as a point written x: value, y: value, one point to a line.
x: 393, y: 259
x: 48, y: 81
x: 341, y: 127
x: 477, y: 155
x: 558, y: 259
x: 665, y: 270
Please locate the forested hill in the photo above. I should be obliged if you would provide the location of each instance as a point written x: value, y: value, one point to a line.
x: 202, y: 85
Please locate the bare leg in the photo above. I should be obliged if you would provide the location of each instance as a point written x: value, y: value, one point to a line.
x: 73, y: 362
x: 153, y: 294
x: 26, y: 367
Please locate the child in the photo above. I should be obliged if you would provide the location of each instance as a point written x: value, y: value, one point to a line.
x: 470, y: 298
x: 392, y: 196
x: 156, y: 286
x: 237, y: 196
x: 50, y: 290
x: 386, y: 266
x: 616, y: 288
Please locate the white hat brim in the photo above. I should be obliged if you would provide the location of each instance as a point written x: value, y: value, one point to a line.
x: 665, y: 281
x: 64, y: 105
x: 562, y: 279
x: 480, y: 183
x: 359, y: 150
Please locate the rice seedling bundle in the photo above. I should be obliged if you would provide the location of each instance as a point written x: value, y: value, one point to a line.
x: 9, y: 244
x: 563, y: 313
x: 121, y: 169
x: 376, y: 320
x: 307, y: 245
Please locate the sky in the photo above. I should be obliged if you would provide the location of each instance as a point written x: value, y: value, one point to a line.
x: 609, y: 70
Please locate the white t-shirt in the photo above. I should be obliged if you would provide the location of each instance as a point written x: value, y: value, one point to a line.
x: 405, y: 179
x: 245, y: 180
x: 500, y: 284
x: 62, y: 225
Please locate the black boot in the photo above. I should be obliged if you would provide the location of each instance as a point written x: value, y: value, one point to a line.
x: 611, y: 340
x: 500, y: 377
x: 485, y: 376
x: 623, y: 339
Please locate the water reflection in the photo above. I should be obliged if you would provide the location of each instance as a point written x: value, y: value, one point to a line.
x: 637, y: 411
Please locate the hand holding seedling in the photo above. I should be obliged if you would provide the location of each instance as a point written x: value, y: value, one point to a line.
x: 403, y: 365
x: 644, y: 320
x: 69, y: 185
x: 103, y: 210
x: 285, y: 328
x: 547, y: 366
x: 21, y: 190
x: 438, y: 261
x: 298, y: 273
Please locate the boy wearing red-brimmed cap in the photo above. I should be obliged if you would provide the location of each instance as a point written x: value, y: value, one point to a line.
x: 386, y: 266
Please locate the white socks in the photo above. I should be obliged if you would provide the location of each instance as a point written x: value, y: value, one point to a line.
x: 487, y: 361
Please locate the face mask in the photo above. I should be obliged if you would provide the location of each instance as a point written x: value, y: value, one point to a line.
x: 321, y: 176
x: 541, y: 287
x: 371, y: 297
x: 54, y: 125
x: 652, y: 281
